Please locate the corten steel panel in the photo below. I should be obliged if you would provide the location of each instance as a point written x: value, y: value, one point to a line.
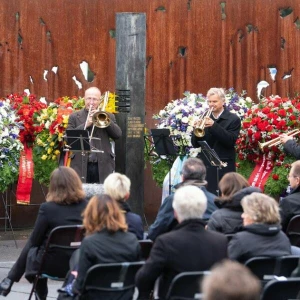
x: 36, y: 35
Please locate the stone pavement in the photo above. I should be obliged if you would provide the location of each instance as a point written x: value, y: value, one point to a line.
x: 8, y: 255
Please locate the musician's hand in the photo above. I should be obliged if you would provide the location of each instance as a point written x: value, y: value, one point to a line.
x: 284, y: 138
x: 209, y: 122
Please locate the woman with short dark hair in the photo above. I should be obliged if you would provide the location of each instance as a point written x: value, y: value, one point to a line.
x: 64, y: 205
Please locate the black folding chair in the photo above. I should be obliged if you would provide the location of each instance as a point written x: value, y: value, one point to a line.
x: 64, y: 240
x: 263, y: 267
x: 111, y: 281
x: 286, y: 265
x: 293, y: 231
x: 282, y: 289
x: 186, y: 286
x: 146, y: 246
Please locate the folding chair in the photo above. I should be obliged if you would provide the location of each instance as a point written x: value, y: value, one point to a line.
x: 146, y: 246
x: 263, y: 267
x: 111, y: 281
x: 293, y: 231
x: 286, y: 265
x: 186, y: 285
x: 282, y: 289
x: 64, y: 240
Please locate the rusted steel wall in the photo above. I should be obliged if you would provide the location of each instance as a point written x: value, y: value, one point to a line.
x: 191, y: 45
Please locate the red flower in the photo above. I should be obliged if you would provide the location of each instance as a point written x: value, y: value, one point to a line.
x: 282, y: 112
x: 275, y: 177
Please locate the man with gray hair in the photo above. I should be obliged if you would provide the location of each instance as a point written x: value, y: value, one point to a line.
x: 188, y: 247
x: 193, y: 173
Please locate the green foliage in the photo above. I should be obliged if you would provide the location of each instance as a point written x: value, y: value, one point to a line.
x: 9, y: 171
x: 160, y: 170
x: 43, y: 168
x: 245, y: 167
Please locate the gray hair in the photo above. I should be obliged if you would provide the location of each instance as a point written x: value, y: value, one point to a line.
x: 194, y: 168
x: 189, y: 203
x: 117, y: 186
x: 216, y: 91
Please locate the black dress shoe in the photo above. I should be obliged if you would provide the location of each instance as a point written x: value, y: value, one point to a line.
x: 5, y: 286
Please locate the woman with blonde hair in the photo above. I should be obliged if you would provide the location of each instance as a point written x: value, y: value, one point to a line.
x: 107, y: 239
x: 227, y: 219
x: 117, y: 186
x: 261, y: 235
x: 64, y: 205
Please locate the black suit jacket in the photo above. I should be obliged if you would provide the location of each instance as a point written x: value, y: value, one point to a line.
x: 221, y: 137
x: 189, y: 247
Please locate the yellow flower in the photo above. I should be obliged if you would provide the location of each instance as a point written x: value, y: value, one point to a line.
x: 53, y: 157
x: 44, y: 157
x: 52, y: 144
x: 49, y: 151
x: 57, y: 152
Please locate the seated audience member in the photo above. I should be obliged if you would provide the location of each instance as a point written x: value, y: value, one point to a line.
x: 261, y: 235
x: 230, y: 280
x: 193, y: 173
x: 188, y: 247
x: 227, y: 219
x: 107, y: 239
x: 290, y: 205
x: 64, y: 206
x: 117, y: 186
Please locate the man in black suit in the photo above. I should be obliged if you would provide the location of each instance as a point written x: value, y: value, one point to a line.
x: 188, y: 247
x: 290, y: 205
x: 221, y: 131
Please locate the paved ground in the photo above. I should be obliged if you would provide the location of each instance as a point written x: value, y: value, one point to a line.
x: 8, y: 255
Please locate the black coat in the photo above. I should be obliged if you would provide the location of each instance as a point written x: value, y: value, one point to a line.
x: 293, y: 148
x: 259, y: 240
x: 189, y: 247
x: 134, y: 221
x: 50, y: 215
x: 221, y: 137
x: 228, y: 218
x: 106, y: 160
x: 289, y: 207
x: 105, y: 247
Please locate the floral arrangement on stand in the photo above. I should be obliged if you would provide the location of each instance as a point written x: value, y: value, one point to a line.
x: 263, y: 122
x: 10, y: 145
x: 179, y: 117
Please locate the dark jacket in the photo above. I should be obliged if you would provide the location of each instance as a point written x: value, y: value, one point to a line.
x: 289, y: 207
x: 50, y: 215
x: 293, y: 148
x: 228, y: 218
x: 134, y: 221
x: 189, y: 247
x: 221, y: 137
x: 259, y: 240
x: 165, y: 220
x: 105, y: 247
x: 106, y: 160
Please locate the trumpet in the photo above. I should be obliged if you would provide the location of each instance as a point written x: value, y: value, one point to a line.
x: 199, y: 131
x: 276, y: 141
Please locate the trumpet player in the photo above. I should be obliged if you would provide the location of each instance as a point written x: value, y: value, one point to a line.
x: 290, y: 145
x: 95, y: 166
x: 221, y: 130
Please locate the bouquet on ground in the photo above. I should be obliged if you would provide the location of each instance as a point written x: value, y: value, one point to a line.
x: 10, y: 145
x: 265, y: 121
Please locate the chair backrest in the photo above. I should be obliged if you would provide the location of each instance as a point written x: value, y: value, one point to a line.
x: 61, y: 243
x: 146, y: 246
x: 186, y: 285
x: 282, y: 289
x: 293, y: 231
x: 286, y: 265
x: 263, y: 267
x: 111, y: 278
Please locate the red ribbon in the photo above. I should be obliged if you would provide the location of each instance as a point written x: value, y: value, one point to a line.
x: 261, y: 173
x: 25, y: 176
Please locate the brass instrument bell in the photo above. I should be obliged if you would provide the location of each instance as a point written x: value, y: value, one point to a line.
x: 199, y: 131
x: 101, y: 119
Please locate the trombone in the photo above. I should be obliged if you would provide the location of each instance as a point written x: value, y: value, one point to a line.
x: 276, y: 141
x: 199, y: 131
